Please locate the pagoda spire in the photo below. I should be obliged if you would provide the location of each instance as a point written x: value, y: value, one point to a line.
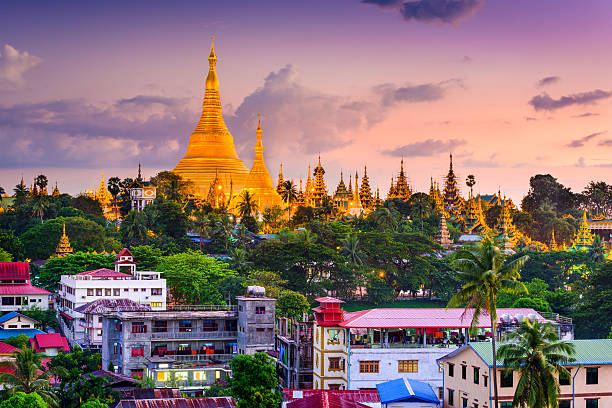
x: 365, y: 192
x: 139, y: 178
x: 552, y: 246
x: 443, y: 237
x: 319, y: 189
x: 281, y: 180
x: 584, y: 238
x: 350, y: 188
x: 63, y: 247
x: 55, y: 192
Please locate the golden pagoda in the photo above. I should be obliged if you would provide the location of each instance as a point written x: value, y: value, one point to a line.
x: 402, y: 190
x: 552, y: 246
x: 216, y: 196
x: 355, y: 207
x: 474, y: 222
x: 318, y: 190
x: 365, y: 193
x: 308, y: 190
x: 280, y: 185
x: 55, y: 192
x: 63, y: 247
x: 103, y: 195
x: 506, y: 231
x: 259, y: 181
x: 211, y: 154
x: 452, y: 199
x: 350, y: 188
x: 584, y: 239
x: 342, y: 196
x: 443, y: 237
x: 436, y: 197
x: 391, y: 194
x: 300, y: 201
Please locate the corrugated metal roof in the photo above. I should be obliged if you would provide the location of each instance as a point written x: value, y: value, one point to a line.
x: 12, y: 315
x: 105, y: 273
x: 49, y: 340
x: 22, y: 289
x: 406, y: 390
x: 7, y: 333
x: 7, y: 348
x: 107, y: 305
x: 597, y: 351
x: 14, y: 270
x: 216, y: 402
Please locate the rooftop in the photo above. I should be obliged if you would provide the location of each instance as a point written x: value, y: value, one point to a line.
x: 49, y: 340
x: 12, y: 315
x: 330, y: 398
x: 8, y: 333
x: 104, y: 273
x: 109, y: 305
x: 173, y: 314
x: 14, y: 270
x: 22, y: 289
x: 216, y: 402
x: 7, y: 349
x: 406, y: 390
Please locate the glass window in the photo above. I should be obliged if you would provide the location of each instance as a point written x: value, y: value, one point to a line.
x: 476, y: 375
x: 260, y: 310
x: 408, y: 366
x: 156, y: 304
x: 506, y: 379
x: 139, y: 327
x: 463, y: 372
x: 160, y: 326
x: 368, y: 366
x: 107, y: 292
x: 137, y: 351
x: 592, y: 376
x: 90, y: 292
x: 464, y: 402
x: 505, y: 405
x: 565, y: 404
x: 116, y: 292
x: 565, y: 379
x: 334, y: 363
x: 209, y: 325
x: 333, y: 336
x: 98, y: 292
x: 451, y: 370
x: 451, y: 396
x: 486, y: 380
x: 185, y: 326
x: 592, y: 403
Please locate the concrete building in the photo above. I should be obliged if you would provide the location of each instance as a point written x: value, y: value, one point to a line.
x: 358, y: 350
x: 76, y: 291
x: 468, y: 370
x: 16, y: 290
x: 294, y: 346
x: 191, y: 347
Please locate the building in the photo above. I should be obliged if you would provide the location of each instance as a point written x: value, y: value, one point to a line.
x: 142, y: 192
x: 76, y: 291
x: 49, y: 343
x: 406, y: 393
x: 330, y: 398
x: 13, y: 324
x: 361, y: 349
x: 191, y: 347
x: 17, y: 292
x: 6, y: 353
x: 467, y: 373
x: 211, y: 153
x: 294, y: 346
x: 210, y: 402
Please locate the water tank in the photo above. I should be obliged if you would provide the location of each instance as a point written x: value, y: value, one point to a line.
x: 505, y: 318
x: 520, y: 318
x: 256, y: 291
x: 532, y: 317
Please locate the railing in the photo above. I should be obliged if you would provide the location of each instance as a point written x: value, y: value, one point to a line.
x: 556, y: 317
x: 176, y: 334
x: 222, y: 358
x: 193, y: 308
x: 402, y: 345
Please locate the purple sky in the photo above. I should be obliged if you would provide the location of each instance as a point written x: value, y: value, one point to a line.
x: 510, y: 87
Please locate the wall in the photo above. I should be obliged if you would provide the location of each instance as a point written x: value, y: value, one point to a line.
x: 255, y: 331
x: 325, y: 347
x: 475, y: 393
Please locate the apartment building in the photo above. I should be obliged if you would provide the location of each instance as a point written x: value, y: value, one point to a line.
x: 358, y: 350
x: 294, y: 346
x: 468, y: 371
x: 77, y: 291
x: 16, y: 290
x: 188, y: 347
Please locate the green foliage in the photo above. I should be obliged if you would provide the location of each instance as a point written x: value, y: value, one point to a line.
x: 379, y: 290
x: 594, y: 311
x: 172, y: 186
x: 23, y: 400
x: 548, y: 194
x: 69, y: 367
x: 146, y: 256
x: 69, y: 265
x: 12, y: 245
x: 537, y: 304
x: 233, y: 286
x: 95, y: 403
x: 250, y: 223
x: 40, y: 241
x: 86, y: 388
x: 21, y: 341
x: 194, y: 278
x: 27, y: 374
x: 88, y: 205
x: 5, y: 256
x: 292, y: 304
x: 254, y: 383
x: 47, y: 318
x: 270, y: 280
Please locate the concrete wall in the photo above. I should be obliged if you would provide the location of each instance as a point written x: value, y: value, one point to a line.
x: 324, y: 348
x: 41, y: 301
x: 255, y: 331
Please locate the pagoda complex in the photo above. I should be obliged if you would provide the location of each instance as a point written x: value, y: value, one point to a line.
x: 401, y: 189
x: 318, y: 188
x: 342, y: 197
x: 584, y: 238
x: 259, y: 181
x: 211, y: 155
x: 443, y: 237
x: 365, y: 192
x: 63, y: 247
x: 452, y: 200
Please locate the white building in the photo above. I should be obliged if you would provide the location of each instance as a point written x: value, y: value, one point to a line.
x: 16, y: 290
x: 75, y: 291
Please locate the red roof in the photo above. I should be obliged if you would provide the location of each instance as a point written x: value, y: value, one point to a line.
x: 22, y: 289
x: 330, y: 398
x: 433, y: 318
x: 211, y: 402
x: 105, y: 273
x: 328, y: 299
x: 49, y: 340
x: 124, y: 252
x: 124, y: 262
x: 7, y: 348
x: 14, y: 270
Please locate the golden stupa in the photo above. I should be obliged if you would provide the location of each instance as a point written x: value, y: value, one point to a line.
x: 259, y: 181
x: 211, y: 149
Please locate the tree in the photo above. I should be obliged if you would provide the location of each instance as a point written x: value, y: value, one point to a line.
x: 378, y: 290
x: 272, y: 218
x: 134, y: 227
x: 470, y: 181
x: 2, y: 192
x: 201, y: 223
x: 114, y: 187
x: 27, y: 376
x: 21, y: 194
x: 597, y: 198
x: 87, y: 204
x: 485, y: 273
x: 546, y: 192
x: 246, y: 205
x: 420, y: 207
x: 146, y: 256
x: 289, y: 193
x: 270, y: 280
x: 52, y: 271
x: 194, y: 278
x: 23, y: 400
x: 40, y: 204
x: 11, y: 244
x: 536, y: 353
x: 240, y: 260
x: 537, y: 304
x: 172, y: 186
x: 70, y: 367
x: 47, y: 318
x: 350, y: 249
x: 5, y: 256
x: 254, y: 383
x: 597, y: 252
x: 292, y: 304
x: 21, y: 341
x: 41, y: 181
x: 94, y: 403
x: 594, y: 311
x: 250, y: 223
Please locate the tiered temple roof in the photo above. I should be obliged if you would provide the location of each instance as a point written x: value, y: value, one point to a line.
x: 474, y: 222
x: 452, y: 199
x: 279, y: 185
x: 505, y: 229
x: 342, y: 197
x: 319, y: 189
x: 402, y: 190
x: 63, y: 247
x: 583, y: 239
x: 365, y: 193
x: 443, y: 237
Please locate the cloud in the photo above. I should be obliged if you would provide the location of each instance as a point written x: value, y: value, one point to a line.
x: 585, y: 115
x: 546, y: 102
x: 606, y: 142
x: 530, y: 119
x: 428, y: 11
x: 391, y: 94
x: 580, y: 142
x: 13, y: 64
x: 549, y: 80
x: 426, y: 148
x: 490, y: 163
x: 580, y: 162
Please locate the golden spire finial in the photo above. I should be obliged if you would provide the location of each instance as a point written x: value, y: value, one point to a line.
x: 451, y: 161
x: 212, y: 57
x: 258, y: 121
x: 64, y: 229
x: 402, y: 165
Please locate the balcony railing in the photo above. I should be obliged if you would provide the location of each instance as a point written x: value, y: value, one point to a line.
x: 195, y: 334
x: 222, y: 358
x: 192, y: 308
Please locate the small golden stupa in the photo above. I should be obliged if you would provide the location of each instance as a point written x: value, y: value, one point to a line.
x: 211, y: 149
x: 63, y: 248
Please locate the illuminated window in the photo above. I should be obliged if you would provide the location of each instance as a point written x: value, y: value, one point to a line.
x: 333, y: 336
x: 408, y: 366
x: 156, y: 304
x: 217, y: 375
x: 181, y: 375
x: 368, y: 367
x: 107, y: 292
x: 260, y: 310
x: 162, y: 376
x: 199, y: 375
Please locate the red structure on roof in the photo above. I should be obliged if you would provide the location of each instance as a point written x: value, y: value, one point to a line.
x: 330, y: 398
x: 104, y: 273
x: 124, y: 252
x: 41, y: 342
x: 215, y: 402
x: 328, y: 313
x: 14, y: 271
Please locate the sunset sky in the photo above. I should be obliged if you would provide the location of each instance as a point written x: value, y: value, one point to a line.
x: 511, y: 87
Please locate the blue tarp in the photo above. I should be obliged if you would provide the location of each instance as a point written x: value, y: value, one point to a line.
x: 6, y: 333
x: 404, y: 389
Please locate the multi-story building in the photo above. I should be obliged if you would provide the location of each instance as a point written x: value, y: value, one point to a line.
x: 361, y: 349
x: 294, y: 346
x: 16, y: 290
x: 468, y: 371
x: 75, y: 291
x: 189, y: 347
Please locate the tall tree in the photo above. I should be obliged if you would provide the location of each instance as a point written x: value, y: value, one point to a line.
x: 420, y: 207
x: 246, y: 205
x: 597, y: 198
x: 28, y: 375
x: 2, y: 192
x: 41, y: 181
x: 351, y: 250
x: 172, y: 186
x: 39, y: 206
x: 597, y: 252
x: 201, y: 223
x: 535, y: 352
x: 546, y: 192
x: 21, y: 194
x: 254, y: 382
x: 289, y: 194
x: 114, y: 187
x: 485, y: 273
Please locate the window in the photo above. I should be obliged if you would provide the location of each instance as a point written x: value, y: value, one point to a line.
x: 565, y: 404
x: 565, y: 379
x: 115, y: 348
x: 368, y: 366
x: 185, y: 326
x: 592, y: 403
x: 138, y: 373
x: 451, y: 370
x: 261, y: 329
x: 408, y: 366
x: 156, y: 291
x: 126, y: 289
x: 209, y: 325
x: 334, y: 386
x: 476, y: 375
x: 506, y: 379
x: 333, y: 336
x: 138, y: 351
x: 116, y: 292
x: 139, y: 327
x: 592, y: 376
x: 107, y: 292
x: 451, y: 396
x: 162, y: 375
x: 12, y: 326
x: 156, y: 304
x: 463, y: 372
x: 98, y: 292
x: 464, y: 402
x: 260, y: 310
x: 334, y: 363
x: 505, y: 405
x: 90, y: 292
x: 160, y: 326
x: 486, y: 380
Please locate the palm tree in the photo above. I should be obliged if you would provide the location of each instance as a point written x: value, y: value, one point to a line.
x: 327, y: 207
x: 136, y: 226
x: 201, y: 223
x: 485, y: 273
x: 420, y: 207
x: 2, y: 192
x: 536, y: 353
x: 114, y: 187
x: 240, y: 259
x: 39, y: 206
x: 597, y: 252
x: 224, y: 226
x: 174, y: 190
x: 247, y: 205
x: 41, y: 181
x: 27, y: 376
x: 21, y: 193
x: 385, y: 218
x: 289, y: 192
x: 470, y: 181
x: 304, y: 236
x: 351, y: 249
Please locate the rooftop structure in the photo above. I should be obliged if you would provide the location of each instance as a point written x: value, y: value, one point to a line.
x: 330, y: 398
x: 16, y: 291
x: 211, y: 402
x: 49, y: 343
x: 63, y: 247
x: 404, y: 392
x: 142, y: 192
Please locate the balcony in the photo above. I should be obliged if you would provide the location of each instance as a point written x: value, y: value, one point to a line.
x: 221, y: 358
x: 194, y: 334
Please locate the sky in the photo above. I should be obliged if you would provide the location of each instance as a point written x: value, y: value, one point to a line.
x: 512, y: 88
